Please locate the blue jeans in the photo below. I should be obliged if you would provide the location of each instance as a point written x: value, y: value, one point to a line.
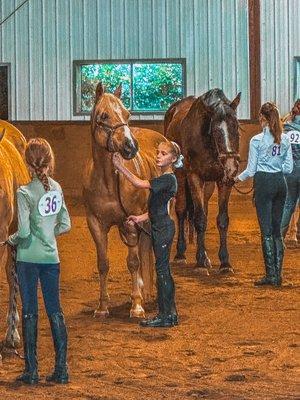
x: 28, y: 276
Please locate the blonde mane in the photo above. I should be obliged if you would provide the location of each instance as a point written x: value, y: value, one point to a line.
x: 13, y: 171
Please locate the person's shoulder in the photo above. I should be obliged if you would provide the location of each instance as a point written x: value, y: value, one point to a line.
x: 257, y: 138
x: 54, y: 185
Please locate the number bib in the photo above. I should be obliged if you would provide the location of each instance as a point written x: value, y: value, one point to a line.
x: 294, y: 137
x: 50, y: 203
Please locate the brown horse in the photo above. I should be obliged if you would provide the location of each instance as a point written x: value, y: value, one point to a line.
x: 207, y: 130
x: 109, y: 198
x: 13, y: 173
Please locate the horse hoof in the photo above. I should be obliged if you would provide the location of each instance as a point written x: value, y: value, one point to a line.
x: 101, y: 313
x: 181, y: 261
x: 203, y: 271
x: 14, y: 342
x: 137, y: 313
x: 226, y: 270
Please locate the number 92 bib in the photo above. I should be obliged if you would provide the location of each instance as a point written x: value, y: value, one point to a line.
x: 50, y: 203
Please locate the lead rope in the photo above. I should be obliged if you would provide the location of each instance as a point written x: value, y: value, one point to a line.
x: 14, y: 301
x: 140, y: 227
x: 241, y: 192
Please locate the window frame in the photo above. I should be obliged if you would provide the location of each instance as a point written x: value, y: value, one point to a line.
x: 9, y: 98
x: 296, y: 78
x: 76, y: 79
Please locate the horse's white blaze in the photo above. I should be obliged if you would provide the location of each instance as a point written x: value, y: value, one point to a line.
x: 127, y: 133
x: 223, y: 126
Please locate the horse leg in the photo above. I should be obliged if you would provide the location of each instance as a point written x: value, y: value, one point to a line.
x: 181, y: 212
x: 12, y: 337
x: 99, y: 233
x: 223, y: 222
x: 200, y: 221
x: 130, y: 237
x: 133, y: 264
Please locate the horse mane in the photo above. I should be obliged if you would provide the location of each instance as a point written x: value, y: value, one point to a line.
x: 218, y: 103
x: 13, y: 171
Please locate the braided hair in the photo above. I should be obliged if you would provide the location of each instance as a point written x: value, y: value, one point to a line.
x: 39, y: 156
x: 270, y: 111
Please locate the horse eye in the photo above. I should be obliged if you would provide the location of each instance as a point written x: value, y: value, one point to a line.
x: 104, y: 116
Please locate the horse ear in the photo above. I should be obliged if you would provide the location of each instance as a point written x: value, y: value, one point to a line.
x: 100, y: 89
x: 234, y: 104
x: 2, y: 134
x: 118, y: 91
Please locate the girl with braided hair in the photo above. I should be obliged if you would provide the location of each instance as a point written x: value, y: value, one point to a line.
x: 270, y: 157
x: 42, y: 215
x: 162, y: 190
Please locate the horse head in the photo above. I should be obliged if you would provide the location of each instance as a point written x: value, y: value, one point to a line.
x: 110, y: 123
x: 223, y: 129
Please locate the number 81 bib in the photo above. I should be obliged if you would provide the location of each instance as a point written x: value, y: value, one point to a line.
x: 50, y: 203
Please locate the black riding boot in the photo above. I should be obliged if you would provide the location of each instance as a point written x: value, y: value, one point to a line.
x: 167, y: 316
x: 29, y: 332
x: 269, y: 258
x: 279, y: 253
x: 59, y: 335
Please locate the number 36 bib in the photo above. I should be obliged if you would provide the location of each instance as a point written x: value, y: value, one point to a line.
x: 50, y: 203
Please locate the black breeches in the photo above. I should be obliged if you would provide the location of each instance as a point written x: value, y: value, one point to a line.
x: 270, y: 194
x: 162, y: 238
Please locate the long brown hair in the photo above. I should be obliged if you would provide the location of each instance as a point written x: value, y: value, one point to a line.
x: 39, y: 157
x: 270, y: 111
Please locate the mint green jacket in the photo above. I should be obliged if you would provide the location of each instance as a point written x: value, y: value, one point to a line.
x: 36, y: 235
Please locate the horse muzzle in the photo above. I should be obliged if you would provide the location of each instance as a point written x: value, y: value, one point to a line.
x: 129, y: 149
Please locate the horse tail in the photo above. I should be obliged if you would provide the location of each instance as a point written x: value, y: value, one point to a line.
x: 190, y: 213
x: 146, y: 265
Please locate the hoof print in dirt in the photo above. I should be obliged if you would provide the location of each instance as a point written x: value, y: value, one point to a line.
x: 236, y: 378
x: 200, y: 394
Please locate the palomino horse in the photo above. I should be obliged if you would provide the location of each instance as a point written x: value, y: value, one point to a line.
x: 13, y: 173
x: 207, y: 130
x: 109, y: 198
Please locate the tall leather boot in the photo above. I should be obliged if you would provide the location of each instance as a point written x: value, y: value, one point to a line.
x: 268, y: 248
x: 60, y: 339
x: 166, y: 292
x: 29, y: 332
x: 279, y: 253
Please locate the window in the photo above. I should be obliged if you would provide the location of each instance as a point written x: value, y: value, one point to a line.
x: 4, y: 92
x: 297, y: 78
x: 148, y: 86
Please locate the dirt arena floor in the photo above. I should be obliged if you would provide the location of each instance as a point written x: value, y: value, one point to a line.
x: 234, y: 341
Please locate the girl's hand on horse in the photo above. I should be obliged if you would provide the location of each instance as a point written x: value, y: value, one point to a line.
x: 133, y: 219
x: 117, y: 160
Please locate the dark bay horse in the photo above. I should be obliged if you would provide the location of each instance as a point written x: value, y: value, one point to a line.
x: 13, y: 173
x: 109, y: 198
x: 207, y: 130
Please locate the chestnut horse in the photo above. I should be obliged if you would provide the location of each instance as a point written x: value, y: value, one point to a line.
x: 13, y: 173
x: 207, y: 130
x: 109, y: 198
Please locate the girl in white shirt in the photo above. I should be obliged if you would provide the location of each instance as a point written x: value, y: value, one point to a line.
x: 270, y: 157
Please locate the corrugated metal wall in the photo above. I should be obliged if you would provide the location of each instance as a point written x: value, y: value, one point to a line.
x: 44, y: 37
x: 280, y: 43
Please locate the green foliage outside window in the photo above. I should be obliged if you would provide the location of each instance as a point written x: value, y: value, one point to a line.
x: 145, y: 86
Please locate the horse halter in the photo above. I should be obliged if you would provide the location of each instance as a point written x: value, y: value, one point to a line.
x: 224, y: 156
x: 110, y: 130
